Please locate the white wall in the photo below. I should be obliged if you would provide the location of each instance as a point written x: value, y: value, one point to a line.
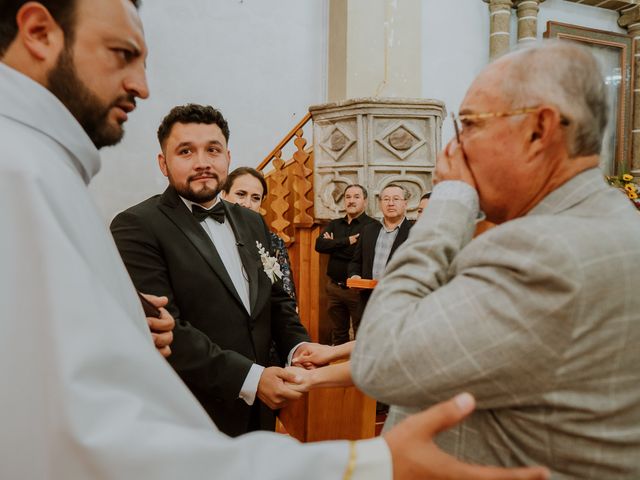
x: 456, y: 42
x: 261, y: 62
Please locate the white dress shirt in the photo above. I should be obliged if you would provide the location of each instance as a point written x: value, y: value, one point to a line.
x: 222, y: 236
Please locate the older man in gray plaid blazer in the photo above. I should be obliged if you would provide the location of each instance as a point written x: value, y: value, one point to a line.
x: 539, y: 317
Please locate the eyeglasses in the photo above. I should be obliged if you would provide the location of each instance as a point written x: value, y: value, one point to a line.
x: 391, y: 199
x: 470, y: 117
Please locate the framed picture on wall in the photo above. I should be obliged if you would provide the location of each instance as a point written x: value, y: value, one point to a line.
x: 614, y: 52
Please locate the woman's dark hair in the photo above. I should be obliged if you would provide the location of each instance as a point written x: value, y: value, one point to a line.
x: 241, y: 171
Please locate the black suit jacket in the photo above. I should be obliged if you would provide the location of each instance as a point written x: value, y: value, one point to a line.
x: 167, y: 252
x: 362, y: 261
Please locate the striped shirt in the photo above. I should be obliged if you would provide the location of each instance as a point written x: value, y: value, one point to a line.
x: 383, y: 248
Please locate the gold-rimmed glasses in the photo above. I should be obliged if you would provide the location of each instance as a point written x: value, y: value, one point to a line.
x: 459, y: 120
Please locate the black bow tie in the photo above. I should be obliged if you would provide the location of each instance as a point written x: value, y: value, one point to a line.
x: 217, y: 212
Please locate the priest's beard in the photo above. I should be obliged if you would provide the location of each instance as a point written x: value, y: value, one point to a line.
x: 90, y: 112
x: 204, y: 195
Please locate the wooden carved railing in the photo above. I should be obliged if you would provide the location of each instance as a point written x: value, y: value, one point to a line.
x: 289, y: 202
x: 279, y: 193
x: 288, y: 210
x: 303, y: 186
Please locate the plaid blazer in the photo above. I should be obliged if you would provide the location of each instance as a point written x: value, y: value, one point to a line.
x: 539, y: 318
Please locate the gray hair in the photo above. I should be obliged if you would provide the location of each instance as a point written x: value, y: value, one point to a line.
x: 567, y: 76
x: 405, y: 192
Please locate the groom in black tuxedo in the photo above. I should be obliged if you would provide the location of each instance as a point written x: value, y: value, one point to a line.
x: 203, y: 254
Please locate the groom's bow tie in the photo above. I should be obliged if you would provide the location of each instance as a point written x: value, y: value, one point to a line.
x: 217, y: 212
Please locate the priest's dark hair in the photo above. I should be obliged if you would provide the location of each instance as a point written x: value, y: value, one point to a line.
x: 62, y: 11
x: 240, y: 172
x: 191, y: 113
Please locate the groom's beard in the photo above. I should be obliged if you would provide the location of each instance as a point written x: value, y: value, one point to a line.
x: 203, y: 195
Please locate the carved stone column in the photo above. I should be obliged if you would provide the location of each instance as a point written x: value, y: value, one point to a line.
x: 527, y: 11
x: 630, y: 19
x: 500, y: 22
x: 373, y: 142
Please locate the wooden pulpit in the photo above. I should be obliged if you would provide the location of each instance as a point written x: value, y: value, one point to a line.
x: 337, y: 413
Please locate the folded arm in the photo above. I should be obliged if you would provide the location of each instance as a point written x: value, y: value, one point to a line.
x: 327, y: 242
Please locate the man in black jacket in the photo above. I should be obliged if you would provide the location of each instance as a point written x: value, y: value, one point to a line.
x: 339, y: 239
x: 378, y: 241
x: 212, y: 260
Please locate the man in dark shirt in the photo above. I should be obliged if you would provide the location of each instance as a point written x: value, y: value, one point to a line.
x: 338, y: 239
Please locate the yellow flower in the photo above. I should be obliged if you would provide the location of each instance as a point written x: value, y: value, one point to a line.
x: 630, y: 187
x: 627, y: 178
x: 632, y: 195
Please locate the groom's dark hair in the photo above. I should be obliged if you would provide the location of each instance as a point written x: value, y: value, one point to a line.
x: 191, y: 113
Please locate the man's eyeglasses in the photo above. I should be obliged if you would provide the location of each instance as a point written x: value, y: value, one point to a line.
x: 391, y: 199
x: 470, y: 117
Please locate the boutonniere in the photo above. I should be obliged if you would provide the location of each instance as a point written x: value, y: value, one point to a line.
x: 270, y: 264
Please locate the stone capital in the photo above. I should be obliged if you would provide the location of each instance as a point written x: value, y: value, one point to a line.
x: 500, y: 4
x: 519, y: 3
x: 630, y: 18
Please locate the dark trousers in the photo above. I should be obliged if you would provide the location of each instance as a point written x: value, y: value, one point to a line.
x: 344, y: 307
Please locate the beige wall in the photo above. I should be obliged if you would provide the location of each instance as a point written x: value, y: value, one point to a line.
x: 261, y: 62
x: 374, y: 48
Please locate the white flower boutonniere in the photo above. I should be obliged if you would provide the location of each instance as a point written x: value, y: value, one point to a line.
x: 269, y: 264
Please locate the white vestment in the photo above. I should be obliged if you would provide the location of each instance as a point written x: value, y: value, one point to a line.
x: 83, y: 392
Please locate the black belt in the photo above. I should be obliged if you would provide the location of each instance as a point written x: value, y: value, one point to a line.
x: 342, y: 285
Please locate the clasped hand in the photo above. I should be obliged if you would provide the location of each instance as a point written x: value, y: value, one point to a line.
x: 313, y: 355
x: 275, y: 387
x: 161, y: 328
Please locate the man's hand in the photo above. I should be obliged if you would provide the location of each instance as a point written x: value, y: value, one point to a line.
x: 328, y: 235
x: 356, y: 277
x: 305, y: 379
x: 312, y: 355
x: 452, y: 165
x: 353, y: 238
x: 415, y: 456
x: 272, y: 389
x: 161, y: 328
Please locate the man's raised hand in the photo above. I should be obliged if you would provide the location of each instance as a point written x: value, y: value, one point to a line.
x: 451, y: 164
